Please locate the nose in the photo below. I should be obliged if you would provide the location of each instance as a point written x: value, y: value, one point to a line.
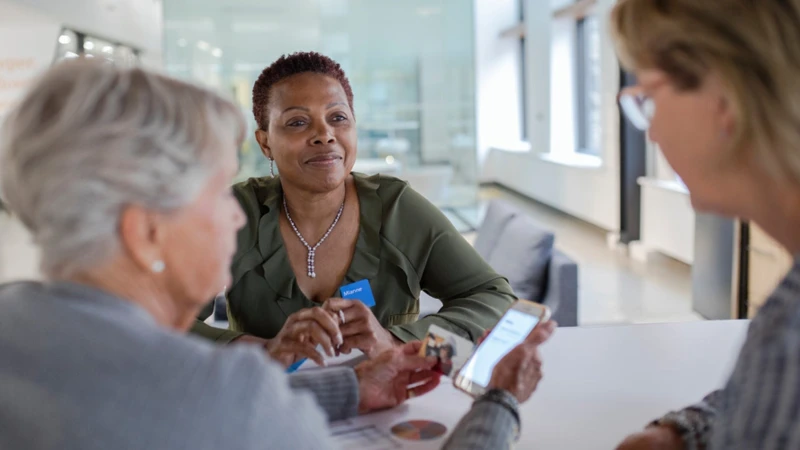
x: 323, y: 134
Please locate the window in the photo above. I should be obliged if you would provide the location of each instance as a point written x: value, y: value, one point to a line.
x: 588, y: 80
x: 72, y: 44
x: 523, y: 76
x: 67, y: 45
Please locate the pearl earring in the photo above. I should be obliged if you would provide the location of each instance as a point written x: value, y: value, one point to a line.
x: 272, y: 167
x: 158, y: 266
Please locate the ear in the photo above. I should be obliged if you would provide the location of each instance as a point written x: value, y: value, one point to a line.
x: 727, y: 116
x: 725, y: 112
x: 262, y: 137
x: 141, y: 236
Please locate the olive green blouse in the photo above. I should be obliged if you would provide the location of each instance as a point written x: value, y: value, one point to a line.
x: 405, y: 245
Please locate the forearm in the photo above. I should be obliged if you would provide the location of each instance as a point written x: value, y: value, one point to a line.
x: 335, y: 389
x: 468, y: 314
x: 694, y: 423
x: 202, y: 329
x: 218, y: 335
x: 488, y: 425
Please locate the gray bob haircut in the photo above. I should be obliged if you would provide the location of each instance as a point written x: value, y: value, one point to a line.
x: 90, y: 139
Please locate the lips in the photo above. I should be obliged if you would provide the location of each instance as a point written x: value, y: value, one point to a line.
x: 326, y: 158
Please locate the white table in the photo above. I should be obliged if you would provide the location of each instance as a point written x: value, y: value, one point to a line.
x: 600, y: 384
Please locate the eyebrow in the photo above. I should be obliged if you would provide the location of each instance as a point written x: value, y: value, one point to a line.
x: 303, y: 108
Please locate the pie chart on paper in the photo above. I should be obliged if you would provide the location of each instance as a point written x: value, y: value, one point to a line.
x: 419, y: 430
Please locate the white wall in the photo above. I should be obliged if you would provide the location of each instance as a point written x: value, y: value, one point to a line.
x: 138, y: 23
x: 27, y: 45
x: 29, y: 31
x: 667, y: 220
x: 497, y: 76
x: 667, y: 216
x: 591, y: 194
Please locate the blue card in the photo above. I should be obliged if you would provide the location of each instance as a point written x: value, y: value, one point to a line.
x: 295, y: 366
x: 360, y: 290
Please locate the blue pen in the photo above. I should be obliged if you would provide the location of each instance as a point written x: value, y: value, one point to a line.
x: 295, y: 366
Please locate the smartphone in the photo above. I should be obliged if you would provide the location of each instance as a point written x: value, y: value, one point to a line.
x: 515, y: 325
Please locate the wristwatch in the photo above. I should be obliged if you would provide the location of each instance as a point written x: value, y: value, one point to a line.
x: 693, y: 437
x: 505, y: 399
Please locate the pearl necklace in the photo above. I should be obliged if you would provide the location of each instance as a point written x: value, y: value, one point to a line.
x: 312, y: 251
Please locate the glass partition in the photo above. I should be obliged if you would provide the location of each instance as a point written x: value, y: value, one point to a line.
x: 410, y: 64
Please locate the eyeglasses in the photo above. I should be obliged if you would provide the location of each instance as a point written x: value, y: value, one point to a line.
x: 638, y: 107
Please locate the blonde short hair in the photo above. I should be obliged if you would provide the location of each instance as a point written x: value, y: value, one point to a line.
x: 752, y: 45
x: 90, y: 139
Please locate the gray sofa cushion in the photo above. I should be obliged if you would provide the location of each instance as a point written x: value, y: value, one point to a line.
x: 497, y: 217
x: 522, y: 253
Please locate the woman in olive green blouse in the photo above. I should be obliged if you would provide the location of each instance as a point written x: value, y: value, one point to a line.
x: 317, y: 227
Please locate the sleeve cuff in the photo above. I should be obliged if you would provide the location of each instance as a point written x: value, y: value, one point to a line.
x: 401, y: 333
x: 228, y: 336
x: 694, y: 435
x: 217, y: 335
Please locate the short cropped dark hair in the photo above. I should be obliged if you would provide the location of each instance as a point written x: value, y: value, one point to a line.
x: 288, y: 65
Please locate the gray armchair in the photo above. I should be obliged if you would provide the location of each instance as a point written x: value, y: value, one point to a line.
x: 520, y: 250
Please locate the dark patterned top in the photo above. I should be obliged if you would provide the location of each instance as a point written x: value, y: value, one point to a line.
x: 760, y: 405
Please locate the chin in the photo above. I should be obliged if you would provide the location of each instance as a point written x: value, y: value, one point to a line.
x: 328, y: 181
x: 708, y: 206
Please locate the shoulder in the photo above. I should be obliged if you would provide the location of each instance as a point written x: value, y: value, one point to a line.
x: 387, y: 187
x: 396, y: 195
x: 778, y: 321
x: 252, y: 192
x: 765, y: 378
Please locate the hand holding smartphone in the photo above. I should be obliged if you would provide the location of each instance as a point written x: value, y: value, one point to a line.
x: 512, y: 330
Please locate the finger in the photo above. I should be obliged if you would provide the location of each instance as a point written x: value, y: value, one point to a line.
x: 324, y: 319
x: 357, y: 311
x: 510, y: 362
x: 413, y: 362
x: 363, y: 342
x: 483, y: 337
x: 421, y: 376
x: 305, y: 350
x: 345, y: 348
x: 350, y: 308
x: 303, y: 314
x: 412, y: 348
x: 430, y: 384
x: 541, y: 333
x: 335, y: 304
x: 328, y: 323
x: 310, y: 330
x: 354, y: 327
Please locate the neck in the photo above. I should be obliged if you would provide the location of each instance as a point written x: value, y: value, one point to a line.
x: 131, y: 284
x: 777, y: 211
x: 311, y: 210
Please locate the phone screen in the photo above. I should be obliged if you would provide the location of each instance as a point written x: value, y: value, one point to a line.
x: 512, y: 329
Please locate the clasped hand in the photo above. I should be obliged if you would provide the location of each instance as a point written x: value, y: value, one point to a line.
x: 338, y: 326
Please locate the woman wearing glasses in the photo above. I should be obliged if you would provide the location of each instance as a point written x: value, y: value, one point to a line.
x: 718, y: 92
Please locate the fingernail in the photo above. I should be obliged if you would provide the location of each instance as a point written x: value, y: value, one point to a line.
x: 339, y: 339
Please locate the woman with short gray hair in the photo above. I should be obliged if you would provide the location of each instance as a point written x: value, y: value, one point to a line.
x: 123, y: 178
